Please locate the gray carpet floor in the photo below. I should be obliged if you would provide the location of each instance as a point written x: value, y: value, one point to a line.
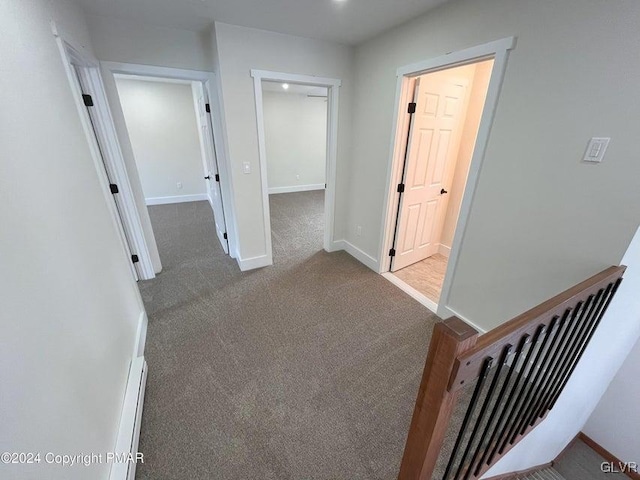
x: 308, y: 369
x: 580, y: 462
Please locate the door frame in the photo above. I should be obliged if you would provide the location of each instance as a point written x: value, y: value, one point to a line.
x: 106, y: 155
x: 333, y: 96
x: 498, y: 51
x: 111, y: 69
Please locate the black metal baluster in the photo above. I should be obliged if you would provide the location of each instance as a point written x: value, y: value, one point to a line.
x: 513, y: 432
x: 556, y: 361
x: 483, y: 411
x: 542, y: 370
x: 539, y: 380
x: 518, y: 383
x: 574, y: 341
x: 484, y: 372
x: 598, y: 303
x: 521, y: 345
x: 497, y: 405
x: 611, y: 293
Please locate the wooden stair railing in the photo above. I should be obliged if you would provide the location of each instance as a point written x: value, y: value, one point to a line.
x: 517, y: 372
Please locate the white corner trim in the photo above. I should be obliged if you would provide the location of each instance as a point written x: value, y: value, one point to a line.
x: 254, y: 262
x: 412, y: 292
x: 444, y: 250
x: 296, y: 188
x: 141, y: 335
x: 129, y: 429
x: 356, y: 253
x: 197, y: 197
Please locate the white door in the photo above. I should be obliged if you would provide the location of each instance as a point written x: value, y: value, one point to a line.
x: 433, y: 147
x: 210, y: 159
x: 125, y: 234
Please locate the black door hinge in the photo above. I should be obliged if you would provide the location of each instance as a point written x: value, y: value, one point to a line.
x: 88, y: 101
x: 224, y: 235
x: 400, y: 187
x: 135, y: 259
x: 392, y: 252
x: 217, y: 177
x: 114, y: 188
x: 412, y: 107
x: 207, y: 108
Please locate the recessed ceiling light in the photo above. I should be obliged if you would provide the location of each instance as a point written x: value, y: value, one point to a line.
x: 285, y: 86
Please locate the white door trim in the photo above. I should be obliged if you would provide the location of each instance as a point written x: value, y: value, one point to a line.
x: 125, y: 216
x: 499, y: 51
x: 333, y: 86
x: 219, y: 138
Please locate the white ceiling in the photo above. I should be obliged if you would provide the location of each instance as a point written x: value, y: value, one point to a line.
x: 344, y: 21
x: 293, y: 88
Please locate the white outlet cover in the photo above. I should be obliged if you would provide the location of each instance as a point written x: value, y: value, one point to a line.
x: 179, y: 184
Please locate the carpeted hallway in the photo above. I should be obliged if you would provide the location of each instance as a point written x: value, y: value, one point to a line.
x: 304, y: 370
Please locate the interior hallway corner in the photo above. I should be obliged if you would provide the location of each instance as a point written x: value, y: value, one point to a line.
x: 307, y: 369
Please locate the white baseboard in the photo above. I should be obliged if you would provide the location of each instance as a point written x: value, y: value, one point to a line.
x: 412, y: 292
x: 176, y: 199
x: 444, y: 250
x: 356, y: 253
x: 296, y: 188
x: 254, y: 262
x: 141, y: 335
x: 129, y: 429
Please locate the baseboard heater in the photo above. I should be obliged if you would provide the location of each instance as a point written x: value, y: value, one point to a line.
x: 129, y: 430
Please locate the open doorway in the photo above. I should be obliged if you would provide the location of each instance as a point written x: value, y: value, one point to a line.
x: 447, y: 106
x: 120, y: 179
x: 445, y: 110
x: 323, y: 94
x: 295, y: 134
x: 168, y: 126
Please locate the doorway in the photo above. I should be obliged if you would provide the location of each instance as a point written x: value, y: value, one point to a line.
x: 172, y: 141
x: 295, y: 128
x: 90, y: 82
x: 313, y: 89
x: 444, y: 115
x: 448, y: 106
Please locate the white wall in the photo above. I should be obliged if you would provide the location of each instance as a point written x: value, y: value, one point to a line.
x: 295, y: 128
x: 70, y: 306
x: 161, y: 120
x: 541, y: 220
x: 615, y: 423
x: 477, y: 94
x: 119, y: 40
x: 241, y: 49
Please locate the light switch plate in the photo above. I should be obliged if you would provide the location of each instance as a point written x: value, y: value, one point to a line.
x: 596, y: 149
x: 246, y: 167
